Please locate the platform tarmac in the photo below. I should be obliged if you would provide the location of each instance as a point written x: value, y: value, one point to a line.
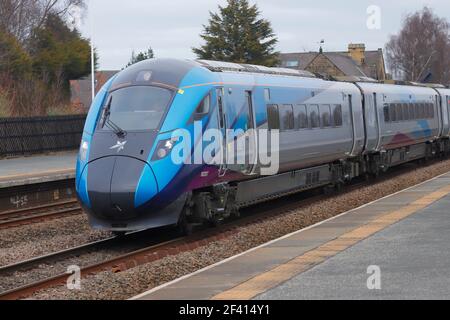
x: 394, y: 248
x: 37, y: 169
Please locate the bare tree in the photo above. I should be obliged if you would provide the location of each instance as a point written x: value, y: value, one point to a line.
x: 421, y: 50
x: 21, y: 17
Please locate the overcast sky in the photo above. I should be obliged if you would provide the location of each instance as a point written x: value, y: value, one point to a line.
x: 172, y: 27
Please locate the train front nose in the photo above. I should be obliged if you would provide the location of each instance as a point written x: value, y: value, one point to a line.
x: 119, y: 185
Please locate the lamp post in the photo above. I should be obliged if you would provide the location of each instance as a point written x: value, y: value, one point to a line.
x: 91, y: 23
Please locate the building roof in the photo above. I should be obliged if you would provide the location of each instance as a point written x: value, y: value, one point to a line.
x: 341, y: 59
x: 345, y: 63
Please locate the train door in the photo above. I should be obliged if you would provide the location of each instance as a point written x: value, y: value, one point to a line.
x: 446, y: 113
x: 222, y: 123
x: 352, y: 122
x: 250, y: 136
x: 371, y: 123
x: 440, y: 114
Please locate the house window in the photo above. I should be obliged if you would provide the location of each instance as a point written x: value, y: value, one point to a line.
x: 292, y: 63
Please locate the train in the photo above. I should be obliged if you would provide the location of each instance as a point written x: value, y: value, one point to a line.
x: 327, y: 133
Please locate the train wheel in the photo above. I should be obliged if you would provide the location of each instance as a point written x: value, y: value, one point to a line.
x: 184, y: 226
x: 339, y: 186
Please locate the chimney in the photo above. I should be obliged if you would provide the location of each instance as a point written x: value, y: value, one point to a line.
x: 356, y: 52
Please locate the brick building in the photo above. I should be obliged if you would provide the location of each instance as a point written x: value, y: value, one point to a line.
x: 80, y: 90
x: 354, y: 62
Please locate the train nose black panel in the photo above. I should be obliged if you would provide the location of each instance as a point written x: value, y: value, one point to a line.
x: 112, y: 185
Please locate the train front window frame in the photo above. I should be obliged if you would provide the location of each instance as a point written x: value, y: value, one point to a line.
x: 136, y: 108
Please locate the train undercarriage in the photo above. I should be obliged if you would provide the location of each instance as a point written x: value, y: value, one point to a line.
x: 222, y: 201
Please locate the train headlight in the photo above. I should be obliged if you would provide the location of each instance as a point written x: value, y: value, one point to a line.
x: 84, y: 150
x: 164, y: 147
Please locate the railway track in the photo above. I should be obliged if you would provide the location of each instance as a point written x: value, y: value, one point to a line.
x: 40, y: 213
x: 178, y: 244
x: 146, y: 254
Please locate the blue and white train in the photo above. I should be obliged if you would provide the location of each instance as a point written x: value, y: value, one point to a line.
x: 329, y: 133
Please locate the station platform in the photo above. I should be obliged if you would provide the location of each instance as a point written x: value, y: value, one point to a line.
x: 393, y: 248
x: 37, y: 169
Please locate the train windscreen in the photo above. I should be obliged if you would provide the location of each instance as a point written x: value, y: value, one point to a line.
x: 135, y: 108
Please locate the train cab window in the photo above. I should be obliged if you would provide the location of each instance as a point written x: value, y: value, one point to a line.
x: 325, y: 115
x: 300, y: 117
x: 286, y: 117
x: 387, y: 117
x: 313, y: 116
x: 203, y: 107
x: 136, y: 108
x: 273, y: 118
x: 337, y: 115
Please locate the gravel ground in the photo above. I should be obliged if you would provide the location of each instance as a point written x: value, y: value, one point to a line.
x: 28, y: 241
x: 123, y: 285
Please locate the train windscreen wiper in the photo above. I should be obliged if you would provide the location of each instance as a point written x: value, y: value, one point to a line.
x: 114, y: 127
x: 109, y: 123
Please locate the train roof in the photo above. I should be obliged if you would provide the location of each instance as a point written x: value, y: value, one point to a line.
x: 170, y: 73
x: 219, y: 66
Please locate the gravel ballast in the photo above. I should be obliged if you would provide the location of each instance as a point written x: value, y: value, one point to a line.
x: 28, y: 241
x: 123, y: 285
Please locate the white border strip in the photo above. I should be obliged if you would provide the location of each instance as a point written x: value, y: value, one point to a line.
x: 275, y: 240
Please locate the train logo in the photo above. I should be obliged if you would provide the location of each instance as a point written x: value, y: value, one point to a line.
x: 119, y: 146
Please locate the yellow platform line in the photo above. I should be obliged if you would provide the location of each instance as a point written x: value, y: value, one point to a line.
x: 265, y: 281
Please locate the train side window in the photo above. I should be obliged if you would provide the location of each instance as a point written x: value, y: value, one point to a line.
x: 392, y: 114
x: 313, y: 115
x: 417, y: 111
x: 325, y: 115
x: 405, y: 111
x: 422, y: 110
x: 387, y: 117
x: 301, y: 118
x: 398, y: 111
x: 411, y: 111
x: 273, y: 116
x: 432, y: 110
x: 337, y: 115
x: 286, y: 117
